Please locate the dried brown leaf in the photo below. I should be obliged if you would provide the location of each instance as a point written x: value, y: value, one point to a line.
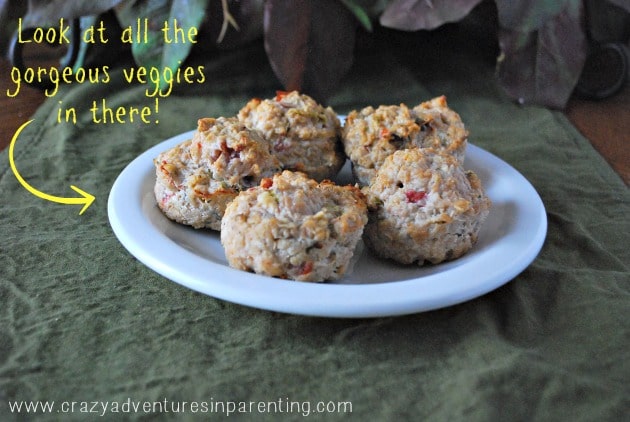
x: 248, y: 15
x: 543, y: 66
x: 413, y: 15
x: 624, y: 4
x: 310, y: 43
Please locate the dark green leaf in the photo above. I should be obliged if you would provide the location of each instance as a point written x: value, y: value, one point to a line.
x: 413, y: 15
x: 373, y: 7
x: 359, y: 13
x: 132, y: 14
x: 85, y: 22
x: 48, y: 12
x: 189, y: 13
x: 310, y: 43
x: 543, y: 66
x: 156, y: 52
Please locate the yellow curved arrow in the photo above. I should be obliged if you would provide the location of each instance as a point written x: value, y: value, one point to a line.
x: 86, y: 199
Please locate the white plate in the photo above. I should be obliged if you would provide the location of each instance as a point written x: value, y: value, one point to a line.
x: 509, y: 241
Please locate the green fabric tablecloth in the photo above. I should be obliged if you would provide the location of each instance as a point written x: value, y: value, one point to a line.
x: 81, y: 320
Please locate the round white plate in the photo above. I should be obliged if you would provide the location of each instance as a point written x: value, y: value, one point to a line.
x: 510, y: 239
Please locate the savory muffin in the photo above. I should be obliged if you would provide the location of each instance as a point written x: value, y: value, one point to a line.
x: 303, y: 134
x: 423, y: 206
x: 199, y: 177
x: 441, y: 127
x: 371, y: 135
x: 292, y: 227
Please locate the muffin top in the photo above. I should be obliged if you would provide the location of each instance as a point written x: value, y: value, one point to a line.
x: 370, y: 135
x: 304, y: 135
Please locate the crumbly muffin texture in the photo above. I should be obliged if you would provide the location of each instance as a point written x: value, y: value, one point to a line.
x: 304, y: 135
x: 196, y: 179
x: 442, y: 127
x: 370, y: 135
x: 424, y: 207
x: 262, y: 178
x: 292, y: 227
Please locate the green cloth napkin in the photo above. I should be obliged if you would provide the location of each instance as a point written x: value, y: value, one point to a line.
x: 83, y: 321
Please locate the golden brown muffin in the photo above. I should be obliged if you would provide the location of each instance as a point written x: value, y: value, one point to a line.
x: 199, y: 177
x: 371, y: 135
x: 423, y: 206
x: 292, y: 227
x: 304, y: 135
